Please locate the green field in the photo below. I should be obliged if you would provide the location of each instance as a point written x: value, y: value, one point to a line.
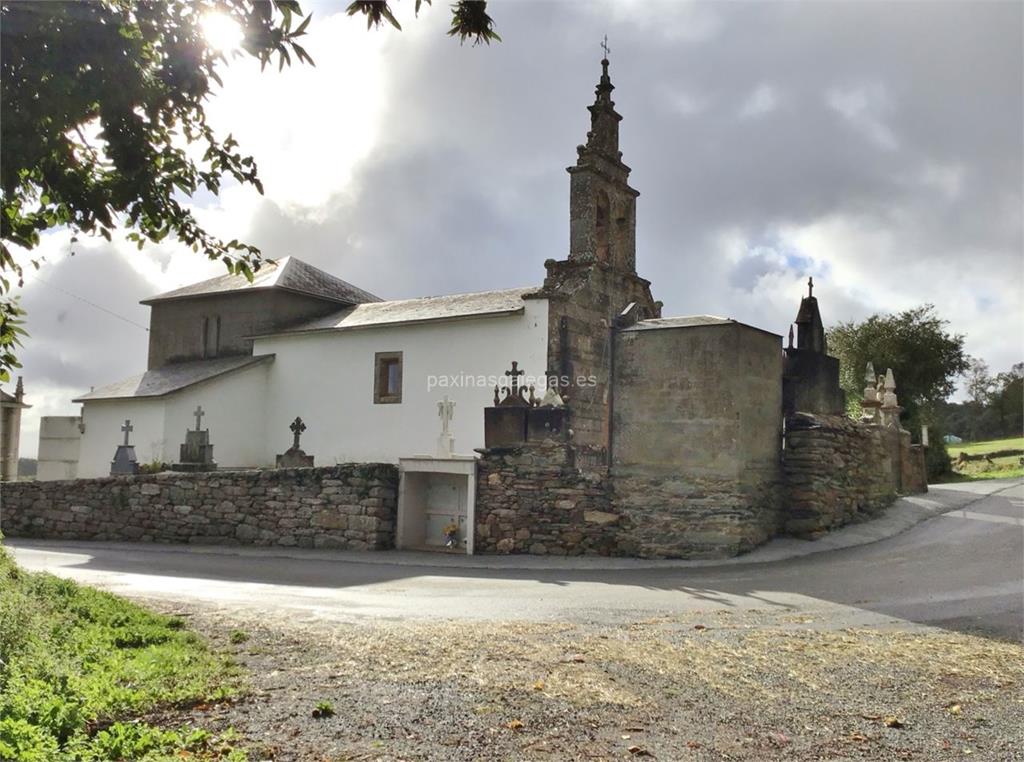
x: 80, y: 669
x: 999, y: 468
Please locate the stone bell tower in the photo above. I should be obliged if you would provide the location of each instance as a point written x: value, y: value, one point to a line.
x: 595, y: 291
x: 602, y: 205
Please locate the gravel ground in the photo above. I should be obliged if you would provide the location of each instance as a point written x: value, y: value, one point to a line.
x: 714, y: 686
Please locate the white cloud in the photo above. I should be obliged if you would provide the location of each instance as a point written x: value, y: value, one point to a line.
x: 863, y: 108
x: 762, y: 100
x: 308, y: 126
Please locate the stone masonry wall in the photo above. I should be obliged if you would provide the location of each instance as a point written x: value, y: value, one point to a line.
x: 837, y: 471
x: 535, y: 499
x: 532, y: 499
x: 351, y: 507
x: 692, y: 517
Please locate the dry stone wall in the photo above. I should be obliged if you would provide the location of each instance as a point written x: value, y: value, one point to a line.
x: 837, y: 471
x: 693, y: 517
x: 351, y: 507
x: 534, y: 499
x: 538, y: 499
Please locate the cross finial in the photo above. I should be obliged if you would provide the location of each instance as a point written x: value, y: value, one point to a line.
x: 514, y: 375
x: 127, y: 429
x: 199, y: 413
x: 297, y: 428
x: 604, y: 46
x: 810, y: 287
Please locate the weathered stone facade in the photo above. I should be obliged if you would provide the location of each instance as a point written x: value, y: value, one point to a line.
x: 533, y: 499
x: 350, y: 507
x: 837, y: 471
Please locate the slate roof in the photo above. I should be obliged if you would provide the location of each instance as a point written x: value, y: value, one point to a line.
x: 160, y: 382
x: 690, y: 321
x: 287, y: 273
x: 424, y: 309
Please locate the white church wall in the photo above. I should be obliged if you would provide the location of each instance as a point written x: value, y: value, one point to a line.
x: 103, y: 421
x: 327, y: 378
x: 234, y: 407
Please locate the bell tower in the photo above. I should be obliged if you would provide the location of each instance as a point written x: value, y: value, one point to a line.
x: 602, y: 205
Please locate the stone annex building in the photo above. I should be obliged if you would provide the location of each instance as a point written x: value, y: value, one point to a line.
x: 662, y: 436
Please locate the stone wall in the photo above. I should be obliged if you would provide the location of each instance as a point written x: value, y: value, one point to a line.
x: 837, y: 471
x: 691, y: 516
x: 537, y: 499
x: 533, y: 499
x: 351, y: 506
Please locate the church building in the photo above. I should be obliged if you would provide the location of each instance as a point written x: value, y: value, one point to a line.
x: 365, y: 374
x: 667, y: 439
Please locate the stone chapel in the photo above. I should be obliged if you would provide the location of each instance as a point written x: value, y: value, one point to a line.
x: 668, y: 439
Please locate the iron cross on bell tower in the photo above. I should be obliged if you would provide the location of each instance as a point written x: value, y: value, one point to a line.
x: 604, y: 46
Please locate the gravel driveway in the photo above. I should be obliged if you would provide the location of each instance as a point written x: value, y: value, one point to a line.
x: 716, y: 685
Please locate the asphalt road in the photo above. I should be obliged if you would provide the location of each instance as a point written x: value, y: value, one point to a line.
x: 962, y: 570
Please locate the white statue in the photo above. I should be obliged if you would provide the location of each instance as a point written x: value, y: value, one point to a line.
x: 445, y: 442
x: 552, y: 398
x: 445, y: 411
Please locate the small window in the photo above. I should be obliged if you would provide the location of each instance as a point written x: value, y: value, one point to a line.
x: 387, y: 383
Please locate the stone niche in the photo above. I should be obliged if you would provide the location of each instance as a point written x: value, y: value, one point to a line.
x: 435, y: 493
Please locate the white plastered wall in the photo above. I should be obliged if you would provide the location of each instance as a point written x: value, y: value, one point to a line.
x: 103, y: 420
x: 234, y: 405
x: 327, y: 379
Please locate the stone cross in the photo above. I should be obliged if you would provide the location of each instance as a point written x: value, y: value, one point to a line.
x: 297, y: 428
x: 446, y: 411
x: 604, y: 46
x: 127, y: 429
x: 810, y: 287
x: 199, y: 413
x: 514, y: 375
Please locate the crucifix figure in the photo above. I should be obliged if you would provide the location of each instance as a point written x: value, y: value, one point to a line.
x: 514, y: 375
x: 810, y: 287
x: 127, y: 429
x: 297, y: 428
x: 604, y: 46
x: 446, y: 411
x: 199, y: 413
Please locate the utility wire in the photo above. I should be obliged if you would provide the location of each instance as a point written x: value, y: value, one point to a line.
x: 92, y: 304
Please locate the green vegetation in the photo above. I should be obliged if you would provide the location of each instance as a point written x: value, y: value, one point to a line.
x: 79, y: 669
x: 105, y: 127
x: 1004, y: 467
x: 238, y: 636
x: 994, y: 408
x: 925, y: 358
x: 323, y: 710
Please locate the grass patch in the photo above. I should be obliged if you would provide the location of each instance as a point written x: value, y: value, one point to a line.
x: 1008, y: 467
x: 78, y: 667
x: 976, y: 448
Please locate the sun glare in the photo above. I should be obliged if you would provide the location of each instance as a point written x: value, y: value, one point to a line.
x: 221, y: 31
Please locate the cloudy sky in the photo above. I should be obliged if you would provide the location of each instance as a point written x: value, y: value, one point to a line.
x: 875, y: 146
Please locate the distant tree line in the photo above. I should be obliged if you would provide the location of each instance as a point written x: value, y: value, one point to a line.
x: 994, y: 408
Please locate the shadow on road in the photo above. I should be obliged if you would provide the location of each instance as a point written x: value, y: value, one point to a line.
x: 957, y: 572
